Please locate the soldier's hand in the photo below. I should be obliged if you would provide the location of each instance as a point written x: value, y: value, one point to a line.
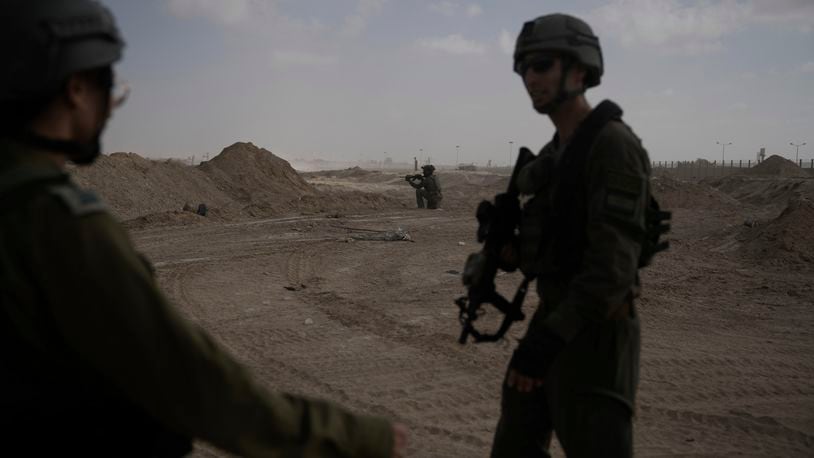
x: 523, y: 383
x: 399, y: 440
x: 532, y: 359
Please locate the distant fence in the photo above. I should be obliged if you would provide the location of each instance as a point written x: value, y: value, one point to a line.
x: 690, y: 170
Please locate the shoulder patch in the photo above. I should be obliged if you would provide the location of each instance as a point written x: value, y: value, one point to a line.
x: 624, y: 194
x: 625, y: 183
x: 79, y: 201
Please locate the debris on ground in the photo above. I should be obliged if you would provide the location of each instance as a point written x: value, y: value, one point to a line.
x: 398, y: 235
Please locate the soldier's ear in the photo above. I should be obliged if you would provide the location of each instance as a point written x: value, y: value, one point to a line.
x: 86, y: 87
x: 578, y: 73
x: 75, y: 90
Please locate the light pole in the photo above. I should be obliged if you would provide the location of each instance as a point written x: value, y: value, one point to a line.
x: 510, y: 153
x: 723, y: 149
x: 421, y: 154
x: 797, y: 153
x: 457, y: 161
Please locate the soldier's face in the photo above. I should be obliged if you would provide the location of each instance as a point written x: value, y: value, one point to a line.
x: 541, y: 75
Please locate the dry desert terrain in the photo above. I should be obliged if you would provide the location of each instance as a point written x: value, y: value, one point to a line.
x: 295, y: 275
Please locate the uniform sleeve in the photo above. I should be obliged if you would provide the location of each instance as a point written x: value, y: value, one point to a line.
x: 616, y: 193
x: 110, y: 311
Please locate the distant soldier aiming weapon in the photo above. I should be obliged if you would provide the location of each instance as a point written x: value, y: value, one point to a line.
x: 497, y: 223
x: 427, y: 187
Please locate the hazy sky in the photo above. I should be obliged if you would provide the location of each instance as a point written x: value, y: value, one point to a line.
x: 355, y: 79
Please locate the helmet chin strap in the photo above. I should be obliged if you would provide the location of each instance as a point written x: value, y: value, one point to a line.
x: 562, y: 94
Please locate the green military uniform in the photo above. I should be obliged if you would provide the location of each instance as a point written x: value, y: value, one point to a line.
x: 95, y: 361
x: 427, y: 188
x: 586, y: 298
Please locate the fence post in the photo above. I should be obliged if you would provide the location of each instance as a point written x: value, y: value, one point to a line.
x: 749, y: 164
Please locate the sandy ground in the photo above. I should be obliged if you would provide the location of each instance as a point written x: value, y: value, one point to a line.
x: 727, y: 365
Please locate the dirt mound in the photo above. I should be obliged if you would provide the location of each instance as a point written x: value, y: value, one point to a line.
x: 256, y: 178
x: 349, y: 201
x: 242, y: 181
x: 787, y: 239
x: 764, y: 190
x: 674, y: 193
x: 467, y: 189
x: 353, y: 174
x: 779, y: 167
x: 133, y: 186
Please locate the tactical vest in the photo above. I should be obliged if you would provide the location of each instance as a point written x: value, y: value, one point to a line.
x: 552, y: 232
x: 47, y: 406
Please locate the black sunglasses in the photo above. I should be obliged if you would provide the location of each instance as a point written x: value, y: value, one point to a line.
x: 540, y: 64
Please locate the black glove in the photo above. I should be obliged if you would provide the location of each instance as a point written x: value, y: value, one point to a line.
x: 533, y: 357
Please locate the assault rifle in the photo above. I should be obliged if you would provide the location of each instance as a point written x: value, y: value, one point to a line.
x: 417, y: 176
x: 496, y: 230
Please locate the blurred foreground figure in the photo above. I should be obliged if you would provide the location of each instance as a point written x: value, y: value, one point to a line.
x: 427, y: 187
x: 93, y: 360
x: 587, y: 226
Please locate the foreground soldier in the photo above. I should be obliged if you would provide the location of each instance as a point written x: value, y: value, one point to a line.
x: 93, y: 360
x: 427, y: 187
x: 581, y: 235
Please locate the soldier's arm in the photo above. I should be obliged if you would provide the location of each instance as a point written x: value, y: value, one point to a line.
x: 110, y: 311
x: 617, y: 182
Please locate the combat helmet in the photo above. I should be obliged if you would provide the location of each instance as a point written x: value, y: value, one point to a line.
x: 46, y: 41
x: 429, y: 168
x: 43, y: 43
x: 563, y: 34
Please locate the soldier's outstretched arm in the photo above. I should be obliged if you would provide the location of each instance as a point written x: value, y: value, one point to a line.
x: 111, y: 313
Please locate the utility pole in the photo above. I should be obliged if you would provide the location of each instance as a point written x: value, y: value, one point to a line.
x: 723, y: 149
x: 797, y: 153
x: 457, y: 161
x: 510, y: 153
